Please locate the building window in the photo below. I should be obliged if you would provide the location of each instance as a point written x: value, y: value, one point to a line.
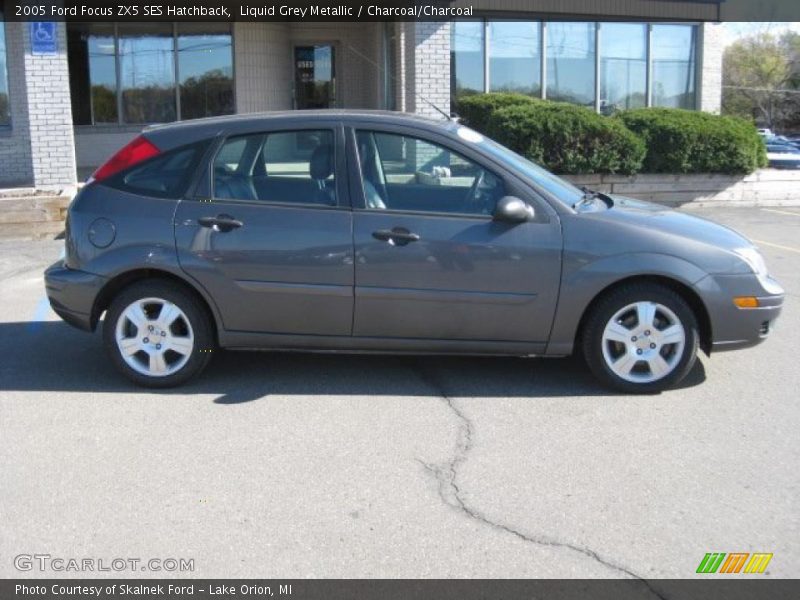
x: 603, y: 65
x: 623, y: 66
x: 673, y: 56
x: 5, y: 108
x: 93, y: 73
x: 570, y: 62
x: 466, y: 58
x: 205, y: 68
x: 515, y: 57
x: 149, y: 73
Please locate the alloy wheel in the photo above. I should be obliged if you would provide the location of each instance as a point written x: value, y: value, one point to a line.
x: 154, y: 337
x: 643, y: 342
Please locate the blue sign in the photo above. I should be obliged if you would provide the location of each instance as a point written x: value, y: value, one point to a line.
x: 43, y: 38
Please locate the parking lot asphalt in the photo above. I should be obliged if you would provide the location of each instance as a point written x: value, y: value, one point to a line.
x: 294, y: 465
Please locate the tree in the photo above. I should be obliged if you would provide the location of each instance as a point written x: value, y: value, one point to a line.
x: 760, y: 73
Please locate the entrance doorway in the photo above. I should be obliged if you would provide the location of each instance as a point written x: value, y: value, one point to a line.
x: 314, y: 76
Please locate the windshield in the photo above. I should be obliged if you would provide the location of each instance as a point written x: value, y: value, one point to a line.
x: 560, y: 188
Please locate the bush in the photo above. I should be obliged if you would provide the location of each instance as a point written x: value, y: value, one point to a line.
x: 683, y: 141
x: 566, y: 138
x: 475, y: 110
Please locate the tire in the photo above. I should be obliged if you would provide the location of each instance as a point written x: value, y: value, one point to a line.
x: 640, y: 338
x: 183, y: 337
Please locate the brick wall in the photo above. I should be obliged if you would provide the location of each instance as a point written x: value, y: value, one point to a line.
x: 15, y: 144
x: 262, y: 55
x: 50, y: 115
x: 427, y: 57
x: 265, y: 63
x: 712, y: 40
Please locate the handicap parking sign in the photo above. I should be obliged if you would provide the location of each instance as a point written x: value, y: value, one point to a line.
x: 43, y: 38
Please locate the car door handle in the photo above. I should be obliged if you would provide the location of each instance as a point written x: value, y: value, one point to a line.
x: 399, y: 236
x: 222, y: 223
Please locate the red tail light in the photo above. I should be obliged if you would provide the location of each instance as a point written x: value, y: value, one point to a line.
x: 138, y: 150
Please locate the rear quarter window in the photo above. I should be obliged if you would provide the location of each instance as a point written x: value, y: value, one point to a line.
x: 167, y: 175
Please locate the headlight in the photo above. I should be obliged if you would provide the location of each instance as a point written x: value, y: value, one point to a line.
x: 754, y: 259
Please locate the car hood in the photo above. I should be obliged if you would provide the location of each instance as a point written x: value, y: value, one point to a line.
x: 664, y: 220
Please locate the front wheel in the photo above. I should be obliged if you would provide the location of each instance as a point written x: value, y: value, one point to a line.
x: 157, y: 334
x: 641, y: 338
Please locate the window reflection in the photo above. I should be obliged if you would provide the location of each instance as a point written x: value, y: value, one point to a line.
x: 673, y: 50
x: 623, y: 66
x: 92, y: 73
x: 147, y: 72
x: 5, y: 110
x: 140, y: 65
x: 466, y: 58
x: 571, y: 62
x: 513, y: 54
x: 205, y: 66
x: 515, y: 57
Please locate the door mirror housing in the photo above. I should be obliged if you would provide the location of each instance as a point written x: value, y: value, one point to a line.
x: 511, y: 209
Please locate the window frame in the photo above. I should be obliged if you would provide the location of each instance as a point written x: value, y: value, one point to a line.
x: 205, y: 192
x: 601, y: 32
x: 121, y: 124
x: 525, y: 192
x: 696, y: 52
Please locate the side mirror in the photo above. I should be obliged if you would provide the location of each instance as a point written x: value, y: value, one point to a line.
x: 511, y: 209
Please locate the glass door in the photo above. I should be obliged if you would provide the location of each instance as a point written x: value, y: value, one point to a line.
x: 314, y: 76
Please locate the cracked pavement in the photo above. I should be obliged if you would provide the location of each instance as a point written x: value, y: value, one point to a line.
x: 291, y: 465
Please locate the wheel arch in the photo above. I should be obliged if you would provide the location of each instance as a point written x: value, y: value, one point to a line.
x: 121, y: 281
x: 691, y: 297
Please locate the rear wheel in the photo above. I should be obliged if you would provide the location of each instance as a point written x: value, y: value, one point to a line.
x: 641, y: 338
x: 158, y: 334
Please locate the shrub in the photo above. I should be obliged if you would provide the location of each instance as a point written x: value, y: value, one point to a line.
x: 683, y: 141
x: 566, y: 138
x: 475, y: 110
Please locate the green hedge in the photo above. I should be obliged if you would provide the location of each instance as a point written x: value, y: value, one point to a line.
x: 566, y: 138
x: 684, y: 141
x: 476, y: 110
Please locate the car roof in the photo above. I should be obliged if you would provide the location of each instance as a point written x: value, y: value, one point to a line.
x: 176, y: 134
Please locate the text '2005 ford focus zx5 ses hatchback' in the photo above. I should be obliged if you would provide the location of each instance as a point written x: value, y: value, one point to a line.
x: 381, y: 232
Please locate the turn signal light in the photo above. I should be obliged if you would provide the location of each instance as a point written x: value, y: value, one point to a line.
x: 746, y: 301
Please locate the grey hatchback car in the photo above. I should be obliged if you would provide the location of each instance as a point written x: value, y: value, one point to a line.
x: 380, y: 232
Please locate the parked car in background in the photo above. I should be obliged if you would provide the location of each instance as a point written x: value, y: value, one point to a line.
x: 358, y: 231
x: 783, y: 156
x: 794, y: 140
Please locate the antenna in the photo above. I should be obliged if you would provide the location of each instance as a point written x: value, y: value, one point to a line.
x: 380, y: 69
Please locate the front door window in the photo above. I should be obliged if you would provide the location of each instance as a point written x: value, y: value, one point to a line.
x: 314, y: 76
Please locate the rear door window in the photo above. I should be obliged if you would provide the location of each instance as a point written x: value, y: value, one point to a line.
x: 287, y: 167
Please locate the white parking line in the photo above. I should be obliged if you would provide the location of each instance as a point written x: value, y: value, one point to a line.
x: 781, y: 212
x: 788, y: 248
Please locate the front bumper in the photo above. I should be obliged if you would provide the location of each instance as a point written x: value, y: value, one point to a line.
x: 733, y: 328
x: 72, y: 294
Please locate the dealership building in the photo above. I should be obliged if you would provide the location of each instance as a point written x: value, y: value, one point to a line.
x: 73, y: 93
